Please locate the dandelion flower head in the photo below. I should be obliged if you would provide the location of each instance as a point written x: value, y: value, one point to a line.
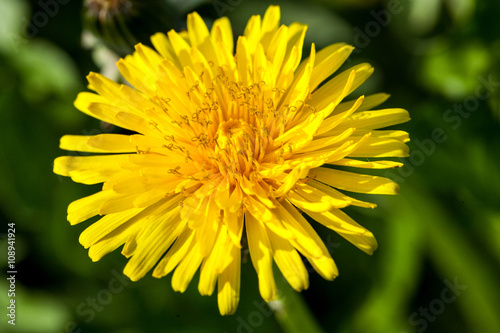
x: 230, y: 143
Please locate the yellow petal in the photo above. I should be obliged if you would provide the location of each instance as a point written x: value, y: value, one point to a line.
x: 108, y: 245
x: 108, y: 113
x: 270, y: 24
x: 381, y: 147
x: 163, y: 46
x: 342, y: 84
x: 328, y: 60
x: 197, y: 29
x: 370, y: 102
x: 206, y: 233
x: 299, y: 90
x: 102, y: 143
x: 246, y: 185
x: 106, y: 87
x: 314, y: 159
x: 86, y: 102
x: 117, y: 204
x: 244, y: 61
x: 336, y: 195
x: 148, y: 220
x: 84, y: 208
x: 194, y: 210
x: 346, y: 227
x: 368, y: 165
x: 116, y: 143
x: 150, y: 197
x: 313, y: 194
x: 343, y: 151
x: 261, y: 66
x: 214, y: 263
x: 180, y: 47
x: 141, y: 184
x: 151, y: 248
x: 375, y: 119
x: 261, y: 255
x: 310, y: 245
x: 228, y: 283
x: 385, y: 134
x: 138, y: 77
x: 289, y: 262
x: 222, y: 194
x: 147, y: 59
x: 306, y: 240
x: 286, y: 75
x: 235, y: 200
x: 322, y: 143
x: 121, y: 234
x: 77, y: 143
x: 296, y: 36
x: 223, y: 32
x: 299, y: 172
x: 252, y: 33
x: 234, y: 222
x: 95, y: 232
x: 304, y: 204
x: 63, y: 165
x: 277, y: 49
x: 175, y: 254
x: 332, y: 122
x: 134, y: 123
x: 354, y: 182
x: 187, y: 268
x: 262, y: 195
x: 325, y: 266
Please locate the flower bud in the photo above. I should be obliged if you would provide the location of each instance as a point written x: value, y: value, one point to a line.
x: 121, y: 24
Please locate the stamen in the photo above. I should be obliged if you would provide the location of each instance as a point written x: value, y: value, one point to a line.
x: 169, y: 138
x: 175, y: 171
x: 188, y: 157
x: 178, y: 123
x: 142, y: 152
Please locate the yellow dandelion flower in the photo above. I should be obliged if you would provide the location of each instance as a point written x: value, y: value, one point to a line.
x: 230, y: 145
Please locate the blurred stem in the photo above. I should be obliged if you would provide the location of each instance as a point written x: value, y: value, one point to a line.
x: 292, y: 312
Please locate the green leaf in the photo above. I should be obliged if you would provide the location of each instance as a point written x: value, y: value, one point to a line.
x: 11, y: 25
x: 45, y: 70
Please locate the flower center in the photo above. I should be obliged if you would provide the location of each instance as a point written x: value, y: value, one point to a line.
x: 235, y: 134
x: 237, y: 147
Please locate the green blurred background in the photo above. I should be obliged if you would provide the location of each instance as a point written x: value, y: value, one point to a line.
x: 437, y: 266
